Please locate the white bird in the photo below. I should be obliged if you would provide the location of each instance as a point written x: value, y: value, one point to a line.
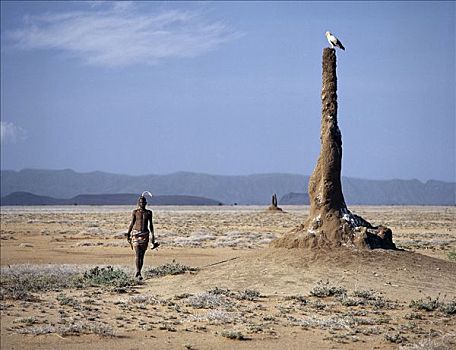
x: 333, y: 41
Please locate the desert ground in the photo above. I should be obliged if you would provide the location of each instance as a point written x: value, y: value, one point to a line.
x: 214, y: 283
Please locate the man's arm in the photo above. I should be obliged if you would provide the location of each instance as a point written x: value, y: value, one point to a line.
x: 151, y: 224
x: 133, y: 220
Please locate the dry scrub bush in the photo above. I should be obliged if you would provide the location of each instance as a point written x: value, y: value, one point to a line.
x: 217, y: 316
x: 441, y: 343
x: 395, y: 337
x: 147, y: 299
x: 65, y: 300
x: 452, y: 255
x: 324, y: 289
x: 248, y: 294
x: 73, y: 328
x: 235, y: 335
x: 221, y: 298
x: 331, y: 323
x: 369, y: 294
x: 208, y: 301
x: 21, y: 281
x: 297, y: 298
x: 173, y: 268
x: 430, y: 304
x: 104, y: 276
x: 27, y: 320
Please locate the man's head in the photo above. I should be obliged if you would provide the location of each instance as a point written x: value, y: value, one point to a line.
x: 142, y: 202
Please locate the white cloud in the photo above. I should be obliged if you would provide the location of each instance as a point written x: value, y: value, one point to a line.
x: 10, y: 133
x: 122, y: 35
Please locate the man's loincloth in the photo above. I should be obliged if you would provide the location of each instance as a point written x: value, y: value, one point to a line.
x: 140, y: 239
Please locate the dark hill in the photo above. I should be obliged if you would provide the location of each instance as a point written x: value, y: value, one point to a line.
x: 294, y: 198
x: 26, y: 198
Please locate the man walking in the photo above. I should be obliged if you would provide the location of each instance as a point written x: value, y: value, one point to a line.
x: 138, y: 238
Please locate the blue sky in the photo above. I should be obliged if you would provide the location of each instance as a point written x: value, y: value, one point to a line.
x: 226, y: 87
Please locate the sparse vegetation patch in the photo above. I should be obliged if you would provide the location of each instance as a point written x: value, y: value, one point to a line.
x: 21, y: 281
x: 65, y: 300
x: 208, y: 301
x: 173, y: 268
x: 144, y: 299
x: 452, y: 255
x: 104, y: 276
x: 432, y: 304
x: 368, y: 294
x: 324, y: 289
x: 395, y: 337
x: 248, y: 294
x: 71, y: 328
x: 235, y: 335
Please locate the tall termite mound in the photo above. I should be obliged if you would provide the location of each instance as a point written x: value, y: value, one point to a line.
x: 274, y: 206
x: 330, y: 223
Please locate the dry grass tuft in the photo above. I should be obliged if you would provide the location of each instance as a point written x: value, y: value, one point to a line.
x: 209, y: 301
x: 173, y: 268
x: 73, y: 328
x: 235, y: 335
x: 324, y: 289
x: 430, y: 304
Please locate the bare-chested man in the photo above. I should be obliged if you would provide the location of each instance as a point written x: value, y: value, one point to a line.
x: 141, y: 221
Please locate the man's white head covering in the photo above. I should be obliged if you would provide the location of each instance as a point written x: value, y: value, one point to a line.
x: 144, y: 194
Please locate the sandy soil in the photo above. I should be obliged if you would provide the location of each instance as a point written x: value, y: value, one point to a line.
x: 243, y: 289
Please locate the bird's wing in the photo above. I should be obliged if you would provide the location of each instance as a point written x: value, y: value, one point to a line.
x: 336, y: 42
x: 332, y: 39
x: 340, y: 44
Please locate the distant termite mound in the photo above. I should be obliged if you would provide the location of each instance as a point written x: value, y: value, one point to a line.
x: 330, y: 223
x: 273, y: 207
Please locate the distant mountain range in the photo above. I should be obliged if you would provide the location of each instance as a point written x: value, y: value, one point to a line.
x: 27, y: 198
x: 244, y: 189
x: 294, y: 198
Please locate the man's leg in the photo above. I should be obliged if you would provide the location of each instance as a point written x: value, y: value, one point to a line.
x: 140, y: 251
